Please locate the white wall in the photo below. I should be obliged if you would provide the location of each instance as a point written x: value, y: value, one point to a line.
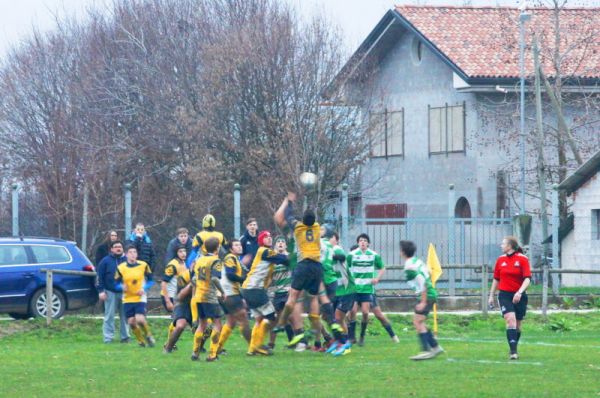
x: 579, y: 251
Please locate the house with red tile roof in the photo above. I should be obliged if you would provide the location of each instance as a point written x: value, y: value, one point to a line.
x: 440, y: 86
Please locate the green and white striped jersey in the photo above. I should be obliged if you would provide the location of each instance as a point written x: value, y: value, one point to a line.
x: 329, y: 275
x: 281, y: 279
x: 345, y: 281
x: 417, y: 276
x: 364, y: 267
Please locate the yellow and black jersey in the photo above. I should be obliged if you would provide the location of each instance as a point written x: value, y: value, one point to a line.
x: 133, y: 277
x: 205, y: 269
x: 203, y: 236
x: 232, y: 275
x: 183, y: 279
x: 173, y: 269
x: 308, y: 241
x: 261, y: 270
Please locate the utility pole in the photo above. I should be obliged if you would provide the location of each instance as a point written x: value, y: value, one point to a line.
x: 540, y: 145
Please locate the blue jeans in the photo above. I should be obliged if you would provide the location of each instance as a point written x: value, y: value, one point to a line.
x: 112, y: 304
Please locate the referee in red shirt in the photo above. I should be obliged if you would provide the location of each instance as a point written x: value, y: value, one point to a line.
x: 512, y: 276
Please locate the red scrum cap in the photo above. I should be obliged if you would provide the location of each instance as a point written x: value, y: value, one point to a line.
x: 261, y: 237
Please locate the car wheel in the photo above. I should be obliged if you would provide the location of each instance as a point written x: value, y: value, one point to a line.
x: 18, y: 316
x: 38, y: 304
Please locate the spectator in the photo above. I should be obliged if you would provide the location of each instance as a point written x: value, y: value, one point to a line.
x: 104, y: 249
x: 249, y: 241
x: 141, y: 241
x: 110, y: 294
x: 182, y: 238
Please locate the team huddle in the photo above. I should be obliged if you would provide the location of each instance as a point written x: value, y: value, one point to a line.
x: 212, y: 287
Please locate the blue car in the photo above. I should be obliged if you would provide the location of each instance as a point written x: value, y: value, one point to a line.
x: 23, y: 284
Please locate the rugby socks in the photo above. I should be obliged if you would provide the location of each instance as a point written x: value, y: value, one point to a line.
x: 315, y: 322
x: 424, y: 341
x: 225, y: 333
x: 512, y: 337
x: 214, y: 343
x: 289, y: 331
x: 263, y: 330
x: 389, y: 330
x: 327, y: 311
x: 253, y: 336
x: 171, y: 328
x: 518, y: 335
x: 352, y: 330
x: 146, y: 329
x: 139, y: 335
x: 431, y: 340
x: 198, y: 337
x: 205, y: 336
x: 363, y: 329
x: 246, y: 333
x: 300, y: 331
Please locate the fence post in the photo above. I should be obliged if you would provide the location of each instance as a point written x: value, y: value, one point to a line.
x: 15, y: 209
x: 451, y: 243
x: 84, y: 219
x: 484, y: 283
x: 127, y: 210
x: 236, y: 211
x: 555, y: 238
x: 49, y: 297
x: 345, y: 216
x: 545, y: 291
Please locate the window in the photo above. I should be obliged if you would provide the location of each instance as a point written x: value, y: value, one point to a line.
x: 386, y: 131
x: 596, y: 224
x: 13, y: 255
x: 417, y: 51
x: 50, y: 254
x: 447, y: 129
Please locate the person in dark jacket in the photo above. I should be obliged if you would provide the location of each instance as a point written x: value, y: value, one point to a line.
x: 104, y: 249
x: 110, y: 294
x: 142, y: 242
x: 182, y: 238
x: 249, y: 242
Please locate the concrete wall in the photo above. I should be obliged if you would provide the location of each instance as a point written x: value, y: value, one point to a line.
x: 579, y: 250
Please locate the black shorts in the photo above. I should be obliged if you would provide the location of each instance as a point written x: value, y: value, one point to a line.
x: 209, y: 310
x: 258, y: 302
x: 506, y: 304
x: 363, y: 297
x: 307, y: 275
x: 374, y: 302
x: 233, y: 303
x: 182, y: 311
x: 344, y: 303
x: 330, y: 289
x: 279, y: 301
x: 164, y: 302
x: 427, y: 309
x: 133, y: 309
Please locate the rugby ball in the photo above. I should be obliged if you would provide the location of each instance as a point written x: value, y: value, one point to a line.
x: 308, y: 180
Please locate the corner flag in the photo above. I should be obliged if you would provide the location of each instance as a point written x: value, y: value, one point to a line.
x: 435, y: 271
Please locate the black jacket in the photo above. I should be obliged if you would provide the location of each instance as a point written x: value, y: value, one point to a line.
x: 249, y: 244
x: 106, y: 272
x: 102, y: 251
x: 172, y: 248
x: 145, y: 250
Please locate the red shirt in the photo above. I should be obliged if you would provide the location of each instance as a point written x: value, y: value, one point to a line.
x: 511, y: 270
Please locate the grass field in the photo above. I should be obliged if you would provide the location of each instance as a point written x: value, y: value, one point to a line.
x: 560, y: 358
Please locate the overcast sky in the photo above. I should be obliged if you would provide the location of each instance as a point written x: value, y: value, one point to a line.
x: 355, y: 17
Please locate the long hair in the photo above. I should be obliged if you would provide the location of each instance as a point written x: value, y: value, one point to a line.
x: 514, y: 243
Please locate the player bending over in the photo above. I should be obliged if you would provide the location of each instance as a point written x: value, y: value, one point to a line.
x: 417, y: 275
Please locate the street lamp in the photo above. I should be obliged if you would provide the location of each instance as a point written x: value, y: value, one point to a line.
x: 523, y: 17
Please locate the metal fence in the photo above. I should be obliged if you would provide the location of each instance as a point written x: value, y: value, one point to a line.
x: 458, y: 241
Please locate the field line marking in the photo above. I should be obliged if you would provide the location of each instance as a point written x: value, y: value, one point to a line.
x: 541, y: 343
x: 487, y: 361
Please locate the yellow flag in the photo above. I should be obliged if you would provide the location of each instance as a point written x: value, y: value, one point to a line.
x: 433, y: 263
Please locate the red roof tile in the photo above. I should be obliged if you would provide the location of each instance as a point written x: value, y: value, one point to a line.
x: 484, y: 41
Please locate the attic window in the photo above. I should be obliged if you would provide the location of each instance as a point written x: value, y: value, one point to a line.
x: 417, y: 51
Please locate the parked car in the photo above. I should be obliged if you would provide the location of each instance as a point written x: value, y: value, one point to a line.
x: 23, y: 284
